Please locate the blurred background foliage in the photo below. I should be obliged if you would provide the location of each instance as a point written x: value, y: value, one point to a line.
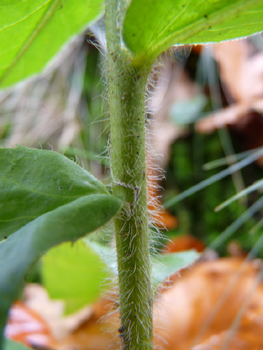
x: 65, y: 109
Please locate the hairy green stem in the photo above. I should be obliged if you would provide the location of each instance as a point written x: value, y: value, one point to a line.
x: 127, y: 84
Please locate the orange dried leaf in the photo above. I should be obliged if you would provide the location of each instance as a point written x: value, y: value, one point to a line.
x: 185, y: 242
x: 206, y: 300
x: 241, y: 69
x: 26, y: 326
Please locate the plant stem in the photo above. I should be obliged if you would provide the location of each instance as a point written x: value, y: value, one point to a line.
x: 127, y: 84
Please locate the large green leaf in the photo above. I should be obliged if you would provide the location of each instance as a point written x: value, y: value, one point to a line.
x: 152, y: 26
x: 33, y: 182
x: 66, y: 223
x: 32, y: 32
x: 73, y: 273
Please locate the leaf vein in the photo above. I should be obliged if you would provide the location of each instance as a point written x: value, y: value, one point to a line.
x: 31, y: 38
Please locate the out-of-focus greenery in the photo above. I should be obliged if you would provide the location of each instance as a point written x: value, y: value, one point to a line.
x: 196, y: 213
x: 74, y: 273
x: 95, y: 131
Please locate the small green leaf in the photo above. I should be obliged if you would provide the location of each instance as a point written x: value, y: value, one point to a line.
x: 107, y: 254
x: 151, y: 27
x: 168, y: 264
x: 33, y: 182
x: 187, y: 111
x: 32, y: 32
x: 73, y: 273
x: 162, y: 266
x: 66, y: 223
x: 10, y: 344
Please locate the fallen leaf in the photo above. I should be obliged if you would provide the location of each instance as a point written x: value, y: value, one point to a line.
x: 28, y: 327
x: 241, y: 74
x: 241, y: 69
x: 184, y: 242
x: 99, y: 332
x: 205, y: 300
x: 37, y: 299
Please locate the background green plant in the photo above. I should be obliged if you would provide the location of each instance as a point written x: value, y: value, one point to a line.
x: 196, y: 213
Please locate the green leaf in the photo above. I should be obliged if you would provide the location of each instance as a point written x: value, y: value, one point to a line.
x: 162, y: 266
x: 168, y: 264
x: 106, y: 253
x: 33, y: 182
x: 151, y: 27
x: 187, y: 111
x: 32, y: 32
x: 13, y: 345
x: 66, y: 223
x: 73, y: 273
x: 83, y: 153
